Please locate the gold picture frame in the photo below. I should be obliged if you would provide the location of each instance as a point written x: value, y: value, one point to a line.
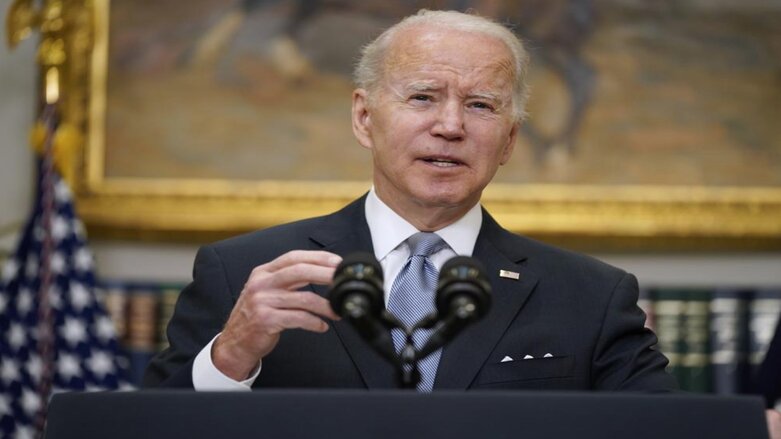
x: 638, y: 217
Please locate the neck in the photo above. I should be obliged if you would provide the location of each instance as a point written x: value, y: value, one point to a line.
x: 425, y: 218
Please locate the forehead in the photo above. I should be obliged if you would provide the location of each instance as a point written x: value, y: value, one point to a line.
x: 418, y: 50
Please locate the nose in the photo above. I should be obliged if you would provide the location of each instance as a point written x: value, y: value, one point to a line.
x: 449, y: 123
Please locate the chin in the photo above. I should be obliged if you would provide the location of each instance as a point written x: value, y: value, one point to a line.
x: 444, y: 198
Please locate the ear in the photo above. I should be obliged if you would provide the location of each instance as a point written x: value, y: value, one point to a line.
x: 361, y: 118
x: 510, y: 145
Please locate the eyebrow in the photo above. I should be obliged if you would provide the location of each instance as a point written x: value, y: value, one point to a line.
x: 485, y: 96
x: 433, y: 85
x: 420, y: 86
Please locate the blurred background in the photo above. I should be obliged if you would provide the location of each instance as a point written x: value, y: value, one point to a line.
x: 713, y: 65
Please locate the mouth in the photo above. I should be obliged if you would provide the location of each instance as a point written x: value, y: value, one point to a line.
x: 443, y: 162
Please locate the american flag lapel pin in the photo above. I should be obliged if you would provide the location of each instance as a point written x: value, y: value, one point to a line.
x: 509, y: 274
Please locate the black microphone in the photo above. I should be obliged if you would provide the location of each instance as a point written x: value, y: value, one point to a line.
x: 357, y: 295
x: 356, y: 290
x: 463, y: 297
x: 463, y: 290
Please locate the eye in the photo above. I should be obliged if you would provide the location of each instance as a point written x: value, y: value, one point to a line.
x: 420, y: 97
x: 480, y: 105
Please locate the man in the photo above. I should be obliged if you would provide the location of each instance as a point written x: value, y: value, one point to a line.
x: 439, y: 103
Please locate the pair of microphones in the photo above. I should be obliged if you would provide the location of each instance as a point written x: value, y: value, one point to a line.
x: 463, y: 296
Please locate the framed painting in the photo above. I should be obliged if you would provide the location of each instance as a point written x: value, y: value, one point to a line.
x: 652, y: 124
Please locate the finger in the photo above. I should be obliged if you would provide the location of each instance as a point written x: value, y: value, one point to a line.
x: 297, y: 300
x: 283, y: 319
x: 291, y: 277
x: 314, y: 257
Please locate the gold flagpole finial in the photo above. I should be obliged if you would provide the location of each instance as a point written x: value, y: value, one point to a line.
x: 61, y: 54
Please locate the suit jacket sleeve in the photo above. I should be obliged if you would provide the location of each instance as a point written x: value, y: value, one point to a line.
x: 201, y: 311
x: 769, y: 378
x: 625, y: 357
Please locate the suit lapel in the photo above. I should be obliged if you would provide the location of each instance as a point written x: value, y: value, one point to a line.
x: 343, y: 233
x: 466, y: 354
x: 346, y: 232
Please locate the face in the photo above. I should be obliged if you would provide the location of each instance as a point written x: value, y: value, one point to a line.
x: 441, y: 121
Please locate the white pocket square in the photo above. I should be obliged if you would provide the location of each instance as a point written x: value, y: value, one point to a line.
x: 508, y: 358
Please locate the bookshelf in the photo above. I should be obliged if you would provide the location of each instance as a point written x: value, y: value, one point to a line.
x: 715, y: 338
x: 140, y: 312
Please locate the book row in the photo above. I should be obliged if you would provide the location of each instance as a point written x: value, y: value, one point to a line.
x: 140, y: 313
x: 715, y: 339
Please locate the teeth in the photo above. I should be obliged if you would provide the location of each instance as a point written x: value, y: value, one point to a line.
x: 443, y: 163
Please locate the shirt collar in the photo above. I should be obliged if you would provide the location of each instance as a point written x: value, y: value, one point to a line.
x: 389, y: 230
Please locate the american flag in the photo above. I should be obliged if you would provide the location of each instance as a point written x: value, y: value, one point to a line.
x: 54, y: 335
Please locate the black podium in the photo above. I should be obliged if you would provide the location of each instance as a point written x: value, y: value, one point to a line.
x: 353, y: 414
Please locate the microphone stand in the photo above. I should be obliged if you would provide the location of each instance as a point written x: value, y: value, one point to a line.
x: 378, y: 333
x: 405, y: 361
x: 357, y: 295
x: 443, y: 331
x: 406, y: 365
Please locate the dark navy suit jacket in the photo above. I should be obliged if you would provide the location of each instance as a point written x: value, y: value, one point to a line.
x: 769, y: 377
x: 580, y: 311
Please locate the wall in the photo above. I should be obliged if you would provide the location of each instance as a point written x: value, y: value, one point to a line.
x: 151, y: 261
x: 17, y: 89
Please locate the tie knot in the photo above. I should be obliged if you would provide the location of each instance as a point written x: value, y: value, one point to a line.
x: 425, y: 244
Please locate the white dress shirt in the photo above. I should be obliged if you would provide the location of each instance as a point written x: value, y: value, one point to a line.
x: 389, y: 233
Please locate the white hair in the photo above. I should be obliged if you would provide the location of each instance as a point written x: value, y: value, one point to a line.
x: 369, y: 70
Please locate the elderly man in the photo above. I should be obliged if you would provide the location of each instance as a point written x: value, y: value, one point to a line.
x: 439, y: 102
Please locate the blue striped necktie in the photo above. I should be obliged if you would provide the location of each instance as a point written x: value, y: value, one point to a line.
x: 412, y: 297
